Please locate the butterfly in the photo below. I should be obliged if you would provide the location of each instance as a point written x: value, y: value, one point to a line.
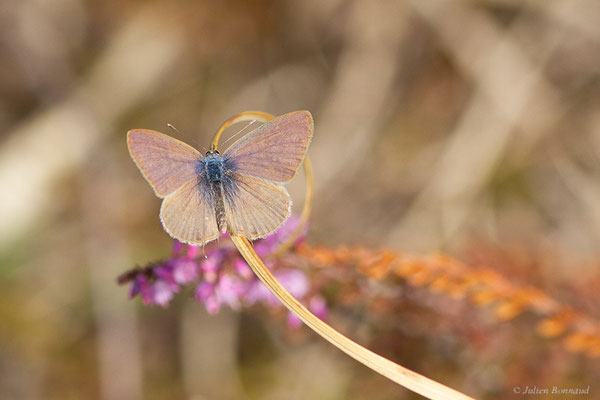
x: 239, y: 192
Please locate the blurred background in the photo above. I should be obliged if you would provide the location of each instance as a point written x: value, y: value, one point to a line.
x: 467, y: 127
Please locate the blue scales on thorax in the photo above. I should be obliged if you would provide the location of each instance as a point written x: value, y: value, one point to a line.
x: 214, y: 167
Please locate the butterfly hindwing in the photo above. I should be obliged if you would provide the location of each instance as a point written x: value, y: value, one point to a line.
x: 274, y: 150
x: 188, y: 214
x: 254, y: 207
x: 165, y: 162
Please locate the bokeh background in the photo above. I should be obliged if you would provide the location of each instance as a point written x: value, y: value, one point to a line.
x: 467, y: 127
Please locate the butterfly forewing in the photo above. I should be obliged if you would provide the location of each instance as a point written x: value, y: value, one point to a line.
x: 275, y: 150
x: 254, y: 207
x: 166, y: 163
x: 188, y: 214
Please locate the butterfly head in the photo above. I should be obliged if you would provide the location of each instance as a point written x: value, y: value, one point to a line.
x: 213, y: 151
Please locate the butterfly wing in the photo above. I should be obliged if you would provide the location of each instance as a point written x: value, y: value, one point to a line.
x: 274, y: 150
x: 254, y: 207
x: 165, y: 162
x: 188, y: 214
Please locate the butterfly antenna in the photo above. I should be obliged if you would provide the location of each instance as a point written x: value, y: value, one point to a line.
x: 173, y: 127
x: 177, y: 130
x: 240, y: 131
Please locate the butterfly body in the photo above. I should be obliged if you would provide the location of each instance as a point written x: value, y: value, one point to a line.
x: 218, y: 173
x: 239, y: 192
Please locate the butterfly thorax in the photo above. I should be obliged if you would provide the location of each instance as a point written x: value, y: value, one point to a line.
x: 214, y: 166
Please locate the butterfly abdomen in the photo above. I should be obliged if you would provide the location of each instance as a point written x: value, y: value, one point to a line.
x: 220, y: 215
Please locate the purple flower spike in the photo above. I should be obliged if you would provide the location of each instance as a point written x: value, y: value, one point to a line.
x: 294, y: 281
x: 318, y: 306
x: 205, y: 292
x: 289, y: 227
x: 164, y: 273
x: 210, y: 266
x: 222, y: 278
x: 293, y: 322
x: 210, y: 270
x: 177, y: 247
x: 269, y: 244
x: 256, y: 291
x: 212, y: 305
x: 242, y: 268
x: 192, y: 252
x: 264, y: 248
x: 229, y: 290
x: 162, y: 293
x: 157, y: 292
x: 185, y: 271
x: 140, y: 286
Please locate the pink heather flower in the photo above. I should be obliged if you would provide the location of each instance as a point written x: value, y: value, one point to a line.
x: 204, y: 290
x: 210, y: 266
x: 318, y: 306
x: 294, y: 281
x: 156, y: 292
x: 212, y: 305
x: 293, y: 322
x: 162, y: 293
x: 177, y: 247
x: 140, y: 286
x: 288, y: 229
x: 269, y: 244
x: 255, y: 292
x: 185, y: 271
x: 242, y: 268
x: 228, y: 290
x: 164, y: 273
x: 223, y: 277
x: 205, y: 293
x: 192, y: 252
